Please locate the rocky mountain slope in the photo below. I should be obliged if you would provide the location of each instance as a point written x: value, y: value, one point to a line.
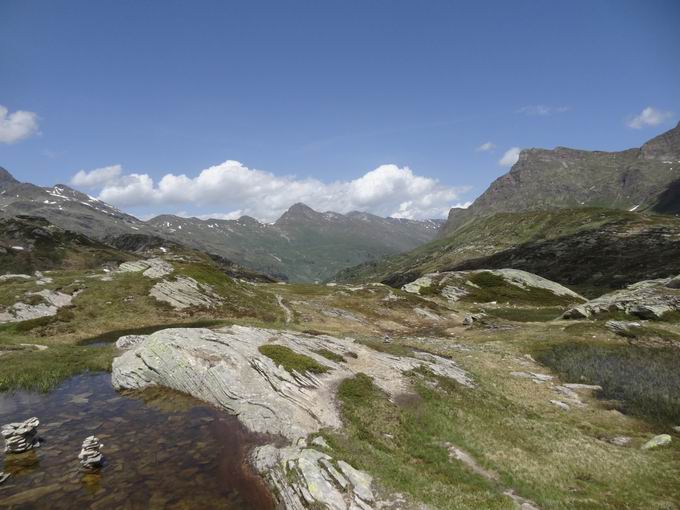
x: 592, y: 250
x: 31, y: 243
x: 640, y: 179
x: 303, y: 245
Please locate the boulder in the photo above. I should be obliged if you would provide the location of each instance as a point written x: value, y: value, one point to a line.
x: 649, y: 299
x: 623, y: 328
x: 656, y: 441
x: 128, y: 341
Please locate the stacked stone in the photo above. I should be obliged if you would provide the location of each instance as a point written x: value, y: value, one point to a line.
x: 90, y: 455
x: 21, y: 436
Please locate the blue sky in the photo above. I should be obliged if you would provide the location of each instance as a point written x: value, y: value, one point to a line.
x: 312, y: 97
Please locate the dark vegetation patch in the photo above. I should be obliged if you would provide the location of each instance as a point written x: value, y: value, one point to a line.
x: 526, y: 314
x: 112, y: 336
x: 646, y: 380
x: 330, y: 355
x: 493, y: 287
x: 291, y: 360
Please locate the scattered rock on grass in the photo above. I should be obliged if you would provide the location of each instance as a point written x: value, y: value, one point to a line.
x: 656, y: 441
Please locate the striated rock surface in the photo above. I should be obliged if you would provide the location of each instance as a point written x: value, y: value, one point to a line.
x: 649, y: 299
x: 307, y: 478
x: 184, y: 292
x: 21, y: 436
x: 51, y: 302
x: 151, y: 268
x: 225, y: 368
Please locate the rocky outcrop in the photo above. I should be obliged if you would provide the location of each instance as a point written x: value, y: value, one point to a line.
x: 307, y: 478
x: 454, y: 285
x: 649, y: 299
x: 185, y: 292
x: 151, y: 268
x: 50, y: 303
x: 21, y: 436
x: 226, y: 368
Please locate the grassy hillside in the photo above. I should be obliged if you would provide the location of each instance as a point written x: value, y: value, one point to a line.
x: 590, y: 249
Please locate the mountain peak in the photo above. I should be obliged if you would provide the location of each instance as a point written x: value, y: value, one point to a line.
x: 666, y: 146
x: 298, y: 212
x: 6, y: 177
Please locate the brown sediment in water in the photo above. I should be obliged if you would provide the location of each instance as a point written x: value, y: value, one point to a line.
x: 162, y: 450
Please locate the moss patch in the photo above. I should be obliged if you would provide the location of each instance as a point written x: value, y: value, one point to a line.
x: 291, y: 360
x: 330, y: 355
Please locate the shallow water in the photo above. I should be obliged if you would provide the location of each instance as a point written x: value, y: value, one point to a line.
x: 162, y: 450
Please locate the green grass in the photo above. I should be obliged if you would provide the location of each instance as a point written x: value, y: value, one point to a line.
x: 402, y: 446
x: 330, y: 355
x: 646, y: 380
x: 44, y: 370
x: 291, y: 360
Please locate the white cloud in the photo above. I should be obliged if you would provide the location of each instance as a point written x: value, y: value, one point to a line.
x: 485, y: 147
x: 96, y: 177
x: 388, y: 190
x: 17, y: 126
x: 510, y: 157
x: 542, y: 110
x: 649, y: 117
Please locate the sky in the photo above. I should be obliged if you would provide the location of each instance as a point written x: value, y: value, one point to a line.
x: 401, y: 108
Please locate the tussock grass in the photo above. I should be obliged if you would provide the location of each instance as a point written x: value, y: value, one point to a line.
x: 646, y: 380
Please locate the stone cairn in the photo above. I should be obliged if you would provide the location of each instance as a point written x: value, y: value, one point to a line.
x: 21, y: 436
x: 90, y: 455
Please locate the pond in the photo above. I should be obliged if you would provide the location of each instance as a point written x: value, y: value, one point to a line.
x: 162, y: 450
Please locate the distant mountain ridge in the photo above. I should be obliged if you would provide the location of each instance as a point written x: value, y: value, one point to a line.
x: 302, y: 245
x: 640, y: 179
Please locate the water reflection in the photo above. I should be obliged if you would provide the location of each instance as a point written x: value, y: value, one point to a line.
x: 162, y: 450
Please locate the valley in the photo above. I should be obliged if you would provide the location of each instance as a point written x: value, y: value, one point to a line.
x: 525, y: 358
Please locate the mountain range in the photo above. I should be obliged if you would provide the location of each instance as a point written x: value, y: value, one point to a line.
x: 302, y: 245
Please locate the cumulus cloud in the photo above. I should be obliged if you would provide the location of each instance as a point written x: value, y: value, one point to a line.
x: 17, y: 125
x: 96, y: 177
x: 542, y: 110
x: 510, y: 157
x: 649, y: 117
x: 388, y: 190
x: 485, y: 147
